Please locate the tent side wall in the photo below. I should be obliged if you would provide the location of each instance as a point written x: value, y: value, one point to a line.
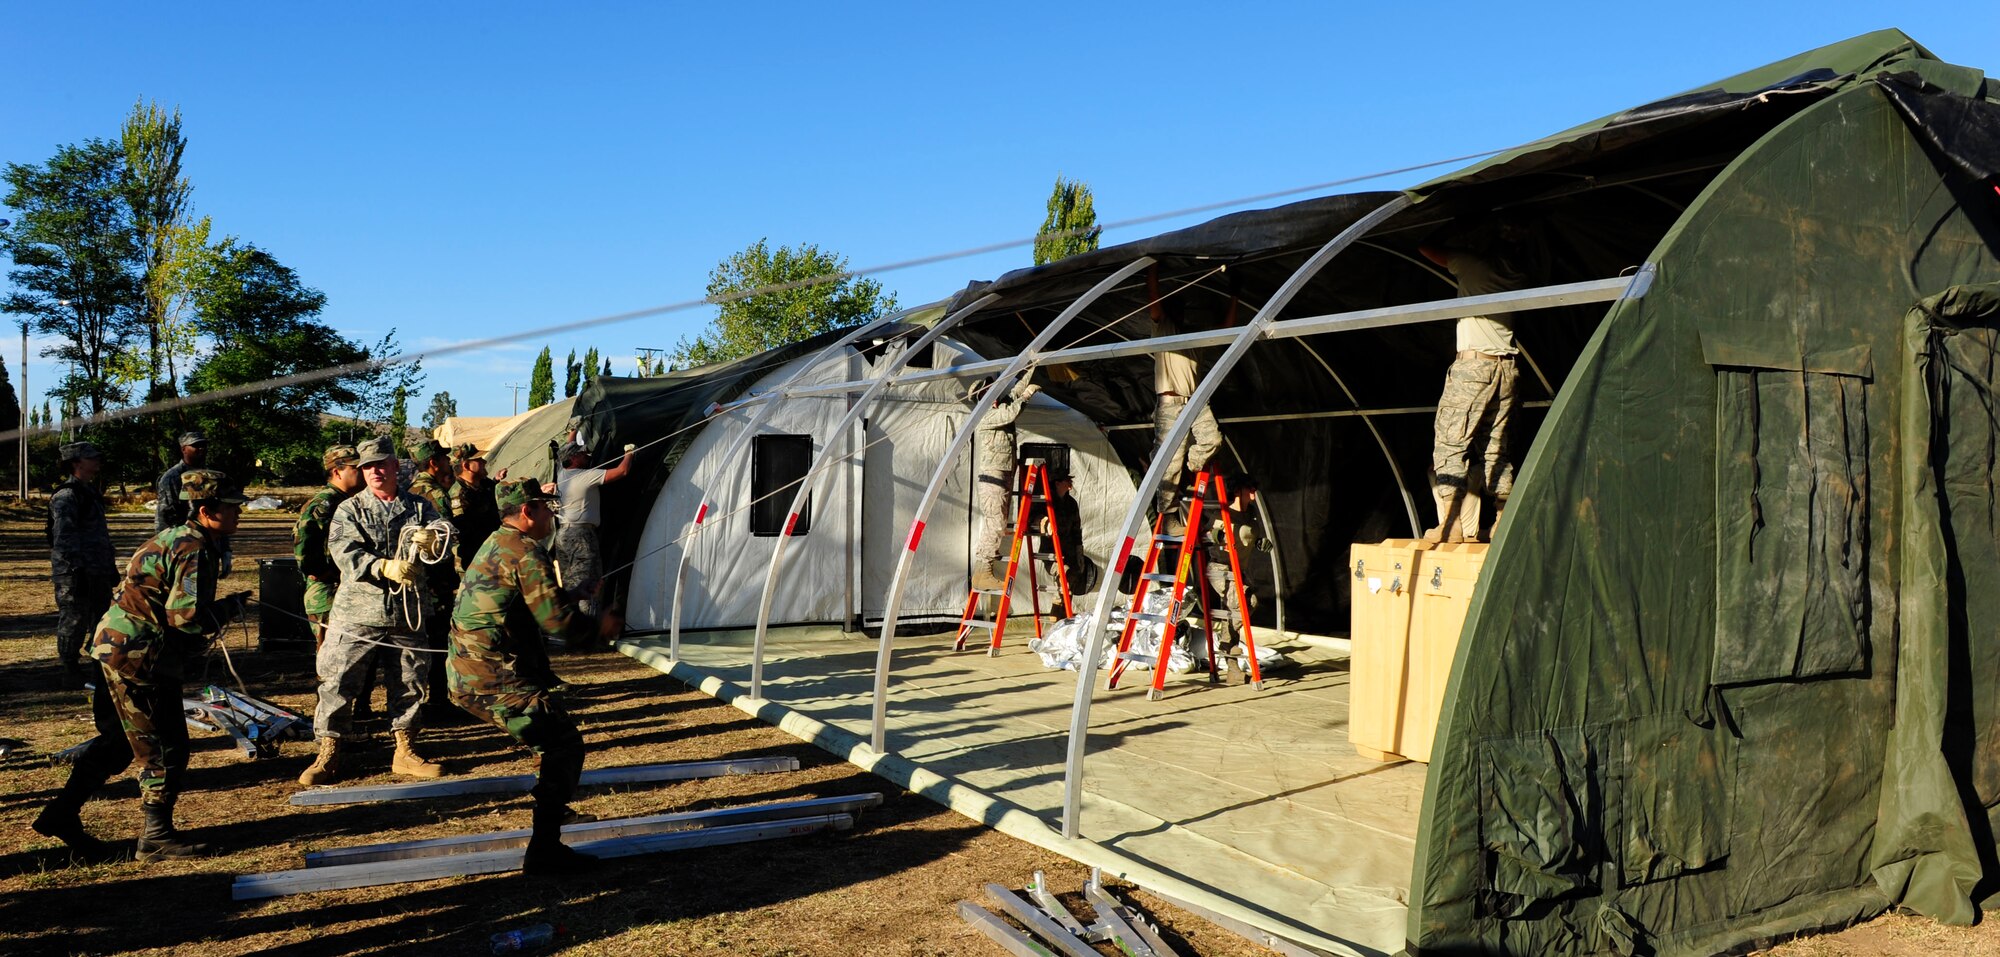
x: 1670, y: 714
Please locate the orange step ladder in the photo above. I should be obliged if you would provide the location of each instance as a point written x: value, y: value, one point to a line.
x: 1033, y: 492
x: 1188, y: 565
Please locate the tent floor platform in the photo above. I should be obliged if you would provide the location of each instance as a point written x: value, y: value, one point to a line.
x: 1250, y: 804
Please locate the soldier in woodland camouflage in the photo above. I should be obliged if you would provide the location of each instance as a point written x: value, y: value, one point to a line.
x: 166, y: 614
x: 81, y: 563
x: 386, y: 596
x: 433, y: 483
x: 499, y: 668
x: 473, y: 511
x: 343, y: 478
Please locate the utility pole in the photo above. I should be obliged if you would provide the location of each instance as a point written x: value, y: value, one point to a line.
x: 517, y: 387
x: 645, y: 359
x: 24, y: 409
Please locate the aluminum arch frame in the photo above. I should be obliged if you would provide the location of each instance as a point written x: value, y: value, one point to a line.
x: 815, y: 473
x: 1086, y: 676
x: 1026, y: 359
x: 694, y: 527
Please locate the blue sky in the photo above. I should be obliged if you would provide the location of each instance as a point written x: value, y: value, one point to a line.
x: 457, y: 170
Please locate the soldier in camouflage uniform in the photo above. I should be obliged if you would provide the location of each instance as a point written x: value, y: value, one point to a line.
x: 343, y: 478
x: 473, y: 512
x: 386, y: 597
x: 1469, y: 452
x: 500, y: 671
x: 169, y: 509
x: 81, y: 563
x: 166, y: 614
x: 433, y: 483
x: 995, y: 456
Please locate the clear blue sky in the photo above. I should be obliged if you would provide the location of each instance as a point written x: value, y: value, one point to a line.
x: 462, y: 170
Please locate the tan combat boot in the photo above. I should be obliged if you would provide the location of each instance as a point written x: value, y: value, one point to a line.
x: 325, y: 769
x: 408, y: 761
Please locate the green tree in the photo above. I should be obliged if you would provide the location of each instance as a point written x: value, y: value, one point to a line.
x: 1071, y: 224
x: 443, y: 407
x: 573, y: 375
x: 542, y: 385
x: 157, y: 194
x: 10, y: 419
x: 590, y: 366
x: 399, y: 417
x: 261, y: 322
x: 607, y: 368
x: 767, y: 298
x: 74, y: 254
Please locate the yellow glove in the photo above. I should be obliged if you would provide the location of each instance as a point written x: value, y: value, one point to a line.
x: 425, y: 538
x: 400, y: 572
x: 630, y: 448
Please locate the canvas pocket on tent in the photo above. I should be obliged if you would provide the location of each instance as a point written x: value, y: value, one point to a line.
x: 1536, y: 819
x: 1791, y: 488
x: 1675, y: 799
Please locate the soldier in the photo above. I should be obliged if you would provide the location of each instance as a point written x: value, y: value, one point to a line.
x: 577, y: 554
x: 1221, y: 578
x: 473, y: 512
x: 433, y: 483
x: 343, y: 478
x: 996, y: 478
x: 1174, y: 380
x: 168, y: 510
x: 384, y: 602
x: 1469, y: 451
x: 81, y: 563
x: 165, y: 614
x: 500, y: 671
x: 1063, y: 516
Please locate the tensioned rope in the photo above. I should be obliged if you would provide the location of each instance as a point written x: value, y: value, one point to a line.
x: 471, y: 345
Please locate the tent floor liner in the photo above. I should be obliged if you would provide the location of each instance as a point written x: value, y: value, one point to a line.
x: 1272, y: 819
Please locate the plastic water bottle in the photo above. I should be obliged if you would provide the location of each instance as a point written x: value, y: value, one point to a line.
x: 527, y: 938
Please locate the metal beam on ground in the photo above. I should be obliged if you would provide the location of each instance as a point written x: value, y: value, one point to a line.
x: 594, y: 830
x: 307, y: 880
x: 515, y: 783
x: 1039, y: 922
x: 1000, y: 932
x: 1023, y: 361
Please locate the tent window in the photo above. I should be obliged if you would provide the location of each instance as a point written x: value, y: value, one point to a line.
x: 1054, y: 454
x: 777, y: 464
x: 1791, y: 514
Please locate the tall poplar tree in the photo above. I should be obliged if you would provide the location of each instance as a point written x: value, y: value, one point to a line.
x: 542, y: 385
x: 1071, y: 224
x: 573, y: 377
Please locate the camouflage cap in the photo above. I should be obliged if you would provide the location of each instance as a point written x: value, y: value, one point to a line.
x: 80, y: 450
x: 194, y: 437
x: 209, y: 485
x: 375, y: 450
x: 519, y: 491
x: 339, y: 456
x: 426, y: 450
x: 467, y: 453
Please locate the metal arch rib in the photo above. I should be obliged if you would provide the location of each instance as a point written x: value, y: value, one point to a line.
x: 1086, y: 677
x: 814, y: 474
x: 1023, y: 360
x: 694, y: 526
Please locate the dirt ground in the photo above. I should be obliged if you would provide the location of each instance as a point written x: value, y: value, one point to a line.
x: 888, y: 887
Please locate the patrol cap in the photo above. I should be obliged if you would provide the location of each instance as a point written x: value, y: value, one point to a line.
x: 340, y: 455
x: 467, y: 453
x: 209, y: 485
x: 374, y: 450
x: 519, y: 491
x: 80, y: 450
x: 194, y: 437
x: 426, y: 450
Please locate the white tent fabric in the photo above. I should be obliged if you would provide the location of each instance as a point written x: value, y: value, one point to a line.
x: 860, y: 512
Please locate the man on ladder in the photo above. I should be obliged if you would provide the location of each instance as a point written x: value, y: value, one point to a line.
x: 1217, y: 568
x: 995, y: 457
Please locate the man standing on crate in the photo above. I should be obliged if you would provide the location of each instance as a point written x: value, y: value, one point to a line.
x: 1469, y: 452
x: 385, y: 547
x: 499, y: 669
x: 81, y: 562
x: 165, y: 615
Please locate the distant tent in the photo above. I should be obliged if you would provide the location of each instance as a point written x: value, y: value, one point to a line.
x: 480, y: 431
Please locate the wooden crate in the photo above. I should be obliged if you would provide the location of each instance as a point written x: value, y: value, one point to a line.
x: 1410, y: 602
